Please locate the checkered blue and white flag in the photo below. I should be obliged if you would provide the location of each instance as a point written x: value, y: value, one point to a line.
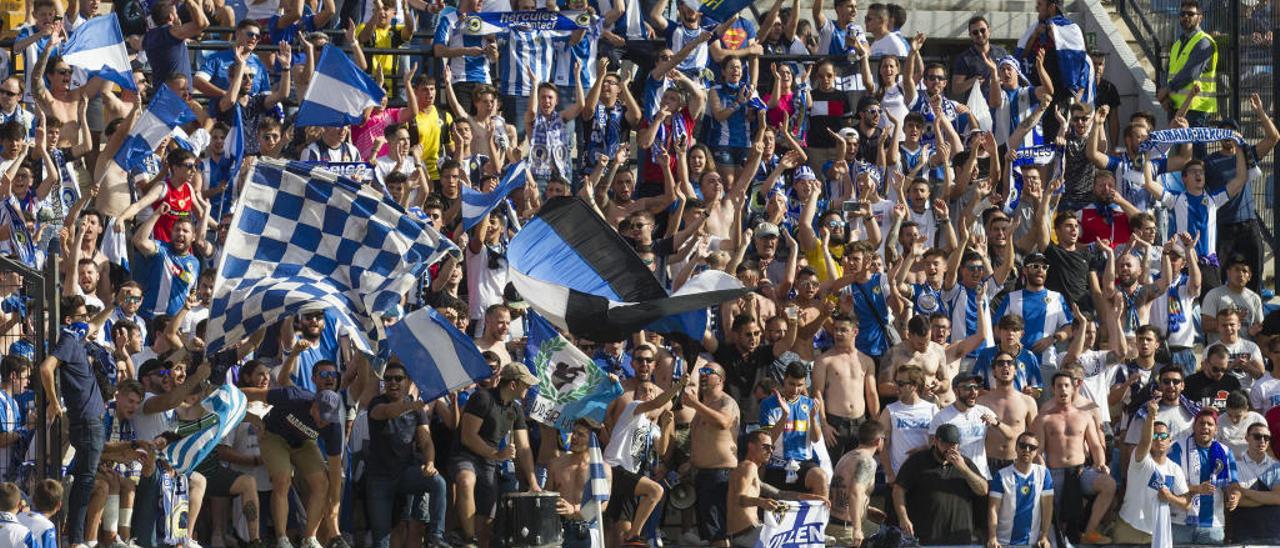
x: 301, y: 234
x: 595, y: 493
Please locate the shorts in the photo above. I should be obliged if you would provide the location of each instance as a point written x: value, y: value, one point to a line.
x: 1087, y: 477
x: 777, y: 477
x: 846, y: 433
x: 283, y: 460
x: 218, y: 480
x: 730, y: 156
x: 746, y: 538
x: 622, y: 495
x: 486, y: 472
x: 711, y: 506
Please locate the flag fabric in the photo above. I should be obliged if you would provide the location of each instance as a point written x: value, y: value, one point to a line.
x: 476, y: 204
x: 302, y: 235
x: 694, y: 324
x: 338, y: 94
x: 571, y: 384
x: 580, y: 275
x: 801, y: 525
x: 1039, y: 155
x: 494, y: 22
x: 228, y: 165
x: 977, y: 104
x: 227, y: 406
x: 98, y: 47
x: 437, y: 356
x: 166, y: 112
x: 717, y: 11
x: 1074, y: 66
x: 20, y: 242
x: 595, y: 492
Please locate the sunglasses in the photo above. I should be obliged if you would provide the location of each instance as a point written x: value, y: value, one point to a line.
x: 935, y: 78
x: 329, y: 374
x: 1037, y: 266
x: 133, y: 299
x: 970, y: 386
x: 1029, y: 447
x: 252, y: 35
x: 1260, y: 437
x: 975, y: 267
x: 642, y: 359
x: 707, y: 371
x: 1002, y: 363
x: 393, y: 378
x: 1160, y: 436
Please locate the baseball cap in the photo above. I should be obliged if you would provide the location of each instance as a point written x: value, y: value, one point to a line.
x: 329, y: 403
x: 803, y: 173
x: 1035, y: 258
x: 767, y: 229
x: 948, y: 433
x: 313, y: 306
x: 512, y: 298
x: 517, y: 372
x: 848, y: 132
x: 151, y: 366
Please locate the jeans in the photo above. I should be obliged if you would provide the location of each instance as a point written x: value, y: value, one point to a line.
x: 144, y: 510
x: 1186, y: 534
x: 87, y: 437
x: 381, y: 497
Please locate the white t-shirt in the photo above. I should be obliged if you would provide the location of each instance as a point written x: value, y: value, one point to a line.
x: 1178, y: 419
x: 1142, y: 508
x: 146, y: 426
x: 909, y: 428
x: 1232, y: 434
x: 973, y: 432
x: 484, y: 284
x: 1248, y: 471
x: 1265, y: 393
x: 632, y: 439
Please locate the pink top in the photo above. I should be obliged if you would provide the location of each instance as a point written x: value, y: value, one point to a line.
x: 363, y: 135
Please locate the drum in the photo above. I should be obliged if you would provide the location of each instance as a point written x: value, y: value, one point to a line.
x: 529, y: 520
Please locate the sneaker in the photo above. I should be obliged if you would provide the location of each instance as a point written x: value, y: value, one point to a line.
x: 1094, y: 537
x: 283, y: 542
x: 191, y: 543
x: 311, y: 542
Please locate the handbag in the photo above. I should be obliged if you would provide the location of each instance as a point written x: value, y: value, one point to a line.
x: 890, y: 332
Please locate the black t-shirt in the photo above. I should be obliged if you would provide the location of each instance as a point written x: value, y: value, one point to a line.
x: 742, y: 369
x: 290, y: 418
x: 499, y: 419
x: 391, y: 440
x: 939, y: 500
x: 1069, y: 272
x: 1208, y: 392
x: 1106, y: 94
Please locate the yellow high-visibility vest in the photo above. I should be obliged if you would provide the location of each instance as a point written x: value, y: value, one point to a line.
x: 1207, y: 100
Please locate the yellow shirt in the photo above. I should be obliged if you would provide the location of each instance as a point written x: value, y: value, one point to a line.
x: 383, y: 38
x: 430, y: 128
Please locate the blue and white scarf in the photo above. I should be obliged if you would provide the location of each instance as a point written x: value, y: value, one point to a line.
x: 1177, y: 136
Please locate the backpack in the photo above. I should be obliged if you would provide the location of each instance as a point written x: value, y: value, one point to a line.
x: 104, y: 368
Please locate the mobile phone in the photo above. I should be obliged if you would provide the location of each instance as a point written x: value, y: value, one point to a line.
x: 849, y: 206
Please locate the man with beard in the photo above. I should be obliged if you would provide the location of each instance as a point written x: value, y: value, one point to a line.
x: 1135, y: 295
x: 967, y: 292
x: 713, y: 451
x: 1069, y: 437
x: 1013, y: 407
x: 940, y: 333
x: 789, y: 416
x: 312, y: 339
x: 972, y: 421
x: 1244, y: 356
x: 931, y: 104
x: 643, y: 360
x: 1046, y: 315
x: 844, y: 379
x: 172, y: 269
x: 636, y: 439
x: 568, y: 475
x: 936, y: 489
x: 745, y: 490
x: 743, y: 357
x: 1154, y: 483
x: 1071, y: 264
x: 397, y: 424
x: 1210, y: 386
x: 1210, y: 465
x: 812, y: 310
x: 1107, y: 216
x: 906, y: 421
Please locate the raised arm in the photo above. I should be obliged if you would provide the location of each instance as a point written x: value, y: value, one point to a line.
x: 191, y: 29
x: 1271, y: 134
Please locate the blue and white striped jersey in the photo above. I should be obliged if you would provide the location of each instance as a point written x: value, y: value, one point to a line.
x: 525, y: 50
x: 1044, y: 312
x: 1196, y: 214
x: 466, y: 68
x: 1020, y: 498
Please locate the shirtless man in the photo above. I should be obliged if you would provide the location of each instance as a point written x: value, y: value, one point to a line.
x: 643, y: 361
x: 1014, y: 408
x: 623, y: 202
x: 713, y: 450
x: 497, y: 322
x: 812, y: 310
x: 845, y: 380
x: 745, y: 489
x: 921, y: 351
x: 1068, y: 437
x: 854, y: 479
x: 568, y: 475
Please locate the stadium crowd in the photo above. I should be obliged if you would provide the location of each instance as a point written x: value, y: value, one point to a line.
x: 1015, y: 320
